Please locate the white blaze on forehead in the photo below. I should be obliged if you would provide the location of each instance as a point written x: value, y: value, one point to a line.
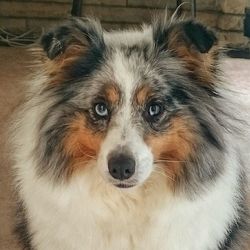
x: 125, y: 77
x: 124, y: 74
x: 124, y: 132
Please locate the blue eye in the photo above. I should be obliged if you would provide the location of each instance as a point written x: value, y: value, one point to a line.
x: 154, y: 109
x: 101, y: 109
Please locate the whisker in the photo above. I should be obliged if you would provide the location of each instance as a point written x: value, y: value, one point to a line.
x: 164, y: 174
x: 165, y: 160
x: 85, y: 154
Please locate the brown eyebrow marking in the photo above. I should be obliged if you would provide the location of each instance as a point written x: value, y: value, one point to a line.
x: 112, y: 93
x: 142, y: 94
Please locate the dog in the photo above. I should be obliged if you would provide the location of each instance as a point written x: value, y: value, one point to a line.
x: 128, y: 141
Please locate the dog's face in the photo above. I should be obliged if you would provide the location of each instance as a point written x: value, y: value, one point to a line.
x: 130, y: 103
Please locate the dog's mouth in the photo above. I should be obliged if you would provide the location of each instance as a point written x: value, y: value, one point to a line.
x: 124, y: 185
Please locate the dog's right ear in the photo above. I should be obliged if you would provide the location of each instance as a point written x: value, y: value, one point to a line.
x: 75, y: 36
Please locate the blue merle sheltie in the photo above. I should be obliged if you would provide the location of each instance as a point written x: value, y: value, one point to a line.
x: 128, y: 141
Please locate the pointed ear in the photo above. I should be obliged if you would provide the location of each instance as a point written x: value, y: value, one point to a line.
x: 81, y: 33
x: 193, y: 43
x: 189, y: 33
x: 201, y: 37
x: 71, y: 49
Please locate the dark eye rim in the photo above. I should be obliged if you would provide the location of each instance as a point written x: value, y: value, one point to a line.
x: 156, y: 117
x: 97, y: 116
x: 156, y: 105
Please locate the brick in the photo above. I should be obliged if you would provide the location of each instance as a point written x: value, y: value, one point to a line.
x: 232, y: 6
x: 209, y: 19
x: 118, y: 14
x: 201, y: 5
x: 152, y: 3
x: 206, y: 5
x: 50, y: 1
x: 40, y: 25
x: 230, y: 22
x: 105, y: 2
x: 16, y: 25
x: 117, y: 26
x: 32, y: 9
x: 235, y: 38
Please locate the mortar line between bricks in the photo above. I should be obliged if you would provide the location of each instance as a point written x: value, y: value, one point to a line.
x: 123, y: 7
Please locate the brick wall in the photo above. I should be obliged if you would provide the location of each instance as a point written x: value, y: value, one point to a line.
x: 19, y: 16
x: 230, y: 20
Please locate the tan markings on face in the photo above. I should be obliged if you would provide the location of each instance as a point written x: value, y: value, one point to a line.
x: 142, y: 95
x: 81, y: 144
x: 112, y: 93
x: 200, y: 64
x: 173, y: 148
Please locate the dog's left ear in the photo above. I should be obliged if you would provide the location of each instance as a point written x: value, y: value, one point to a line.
x: 191, y: 34
x: 200, y: 36
x: 190, y: 41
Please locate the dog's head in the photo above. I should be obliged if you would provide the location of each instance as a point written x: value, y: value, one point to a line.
x: 131, y: 103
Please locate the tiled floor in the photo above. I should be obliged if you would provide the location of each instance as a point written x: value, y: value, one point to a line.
x: 13, y: 72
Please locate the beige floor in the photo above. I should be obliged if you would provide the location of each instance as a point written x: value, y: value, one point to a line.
x: 13, y: 72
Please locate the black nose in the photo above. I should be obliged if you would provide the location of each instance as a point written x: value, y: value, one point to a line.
x: 121, y: 166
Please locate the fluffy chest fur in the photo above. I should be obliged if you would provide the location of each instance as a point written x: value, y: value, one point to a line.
x: 90, y: 214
